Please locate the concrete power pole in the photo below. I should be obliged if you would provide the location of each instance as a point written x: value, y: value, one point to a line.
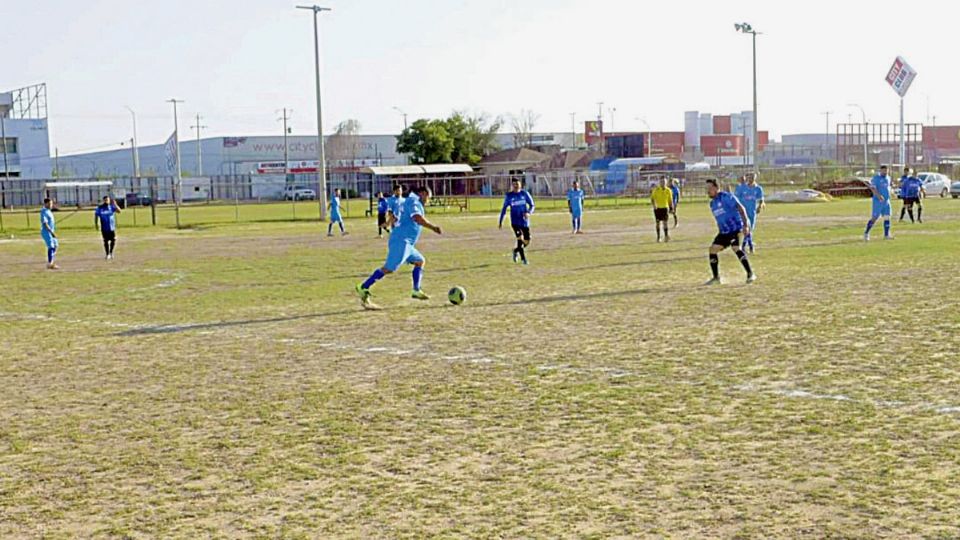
x: 198, y: 127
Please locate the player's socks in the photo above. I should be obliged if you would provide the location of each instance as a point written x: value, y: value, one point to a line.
x: 417, y: 277
x: 869, y: 226
x: 715, y: 266
x: 113, y: 244
x: 50, y: 253
x: 106, y: 248
x: 903, y: 212
x: 910, y: 212
x: 376, y: 276
x: 886, y: 228
x: 523, y: 254
x: 330, y: 229
x: 744, y: 261
x: 920, y: 214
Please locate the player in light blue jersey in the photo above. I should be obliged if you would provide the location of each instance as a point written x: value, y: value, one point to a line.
x: 732, y: 220
x: 335, y: 216
x: 520, y: 204
x: 880, y: 187
x: 394, y: 204
x: 48, y: 231
x: 402, y: 247
x: 750, y: 195
x: 675, y: 190
x: 575, y: 198
x: 105, y: 219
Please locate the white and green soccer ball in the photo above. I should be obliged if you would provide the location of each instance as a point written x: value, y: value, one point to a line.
x: 457, y: 296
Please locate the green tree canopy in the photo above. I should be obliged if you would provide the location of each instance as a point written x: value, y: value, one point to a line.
x: 427, y: 141
x: 461, y: 138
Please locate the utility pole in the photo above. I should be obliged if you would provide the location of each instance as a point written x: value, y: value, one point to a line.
x: 198, y: 127
x: 321, y: 154
x: 404, y: 116
x: 599, y: 111
x: 286, y: 156
x: 176, y: 147
x: 826, y: 133
x: 573, y: 129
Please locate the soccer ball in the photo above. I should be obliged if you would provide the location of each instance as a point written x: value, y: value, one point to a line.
x: 457, y: 296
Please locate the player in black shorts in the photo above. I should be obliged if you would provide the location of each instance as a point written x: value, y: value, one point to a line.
x: 520, y: 205
x: 732, y: 221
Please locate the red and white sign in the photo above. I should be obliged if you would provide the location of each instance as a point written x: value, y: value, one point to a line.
x: 901, y: 76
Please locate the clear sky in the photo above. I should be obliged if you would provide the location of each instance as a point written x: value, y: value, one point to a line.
x: 238, y: 62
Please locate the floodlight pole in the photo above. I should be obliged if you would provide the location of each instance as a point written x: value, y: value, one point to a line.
x: 322, y: 165
x: 176, y: 146
x: 404, y: 116
x: 755, y: 143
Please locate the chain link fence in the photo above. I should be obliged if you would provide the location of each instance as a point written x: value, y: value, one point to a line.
x: 151, y: 201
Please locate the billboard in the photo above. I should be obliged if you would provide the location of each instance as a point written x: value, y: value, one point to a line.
x: 593, y: 132
x: 901, y: 76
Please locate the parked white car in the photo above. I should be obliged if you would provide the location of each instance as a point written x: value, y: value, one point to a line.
x: 299, y: 193
x: 935, y: 184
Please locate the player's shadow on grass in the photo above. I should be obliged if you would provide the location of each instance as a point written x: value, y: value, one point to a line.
x: 181, y: 328
x: 585, y: 296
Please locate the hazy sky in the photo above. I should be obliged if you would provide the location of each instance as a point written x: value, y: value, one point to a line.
x: 238, y: 62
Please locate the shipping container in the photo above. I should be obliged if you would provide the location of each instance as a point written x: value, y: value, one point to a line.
x: 722, y: 145
x: 721, y: 125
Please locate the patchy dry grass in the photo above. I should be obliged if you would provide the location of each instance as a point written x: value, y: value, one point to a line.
x: 224, y: 382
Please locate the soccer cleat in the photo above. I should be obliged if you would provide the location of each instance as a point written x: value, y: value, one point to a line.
x: 53, y: 266
x: 329, y: 234
x: 419, y: 295
x: 713, y: 281
x: 579, y: 232
x: 526, y: 262
x: 866, y: 237
x: 751, y: 278
x: 344, y: 233
x: 516, y: 257
x: 364, y: 294
x: 667, y: 238
x: 888, y: 237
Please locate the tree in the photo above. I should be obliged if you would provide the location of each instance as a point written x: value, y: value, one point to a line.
x: 523, y: 125
x: 343, y: 145
x: 427, y: 141
x: 473, y: 136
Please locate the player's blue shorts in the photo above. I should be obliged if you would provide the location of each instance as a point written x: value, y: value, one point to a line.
x: 401, y: 252
x: 51, y: 242
x: 882, y: 209
x: 334, y: 218
x: 576, y: 214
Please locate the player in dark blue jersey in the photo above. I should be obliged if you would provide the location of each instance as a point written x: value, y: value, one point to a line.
x: 911, y: 191
x: 382, y: 207
x: 732, y: 221
x: 105, y: 219
x: 520, y: 204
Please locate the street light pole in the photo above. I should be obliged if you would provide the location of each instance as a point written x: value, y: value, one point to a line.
x: 754, y: 144
x: 176, y: 146
x: 321, y: 154
x: 402, y: 114
x: 573, y: 130
x: 826, y: 133
x: 866, y: 162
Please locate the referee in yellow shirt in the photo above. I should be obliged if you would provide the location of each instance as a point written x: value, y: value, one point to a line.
x: 662, y: 199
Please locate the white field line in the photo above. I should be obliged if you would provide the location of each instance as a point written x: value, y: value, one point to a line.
x: 47, y: 318
x: 880, y: 404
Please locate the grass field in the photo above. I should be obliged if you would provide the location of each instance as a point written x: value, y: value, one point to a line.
x: 223, y: 382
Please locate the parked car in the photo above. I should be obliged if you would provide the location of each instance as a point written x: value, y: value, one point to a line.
x: 136, y: 199
x: 935, y: 184
x: 299, y: 193
x: 955, y: 190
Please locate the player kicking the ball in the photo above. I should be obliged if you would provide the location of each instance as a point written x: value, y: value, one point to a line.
x: 732, y: 220
x: 402, y: 246
x: 521, y: 206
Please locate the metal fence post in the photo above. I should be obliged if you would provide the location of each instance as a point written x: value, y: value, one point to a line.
x: 236, y: 200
